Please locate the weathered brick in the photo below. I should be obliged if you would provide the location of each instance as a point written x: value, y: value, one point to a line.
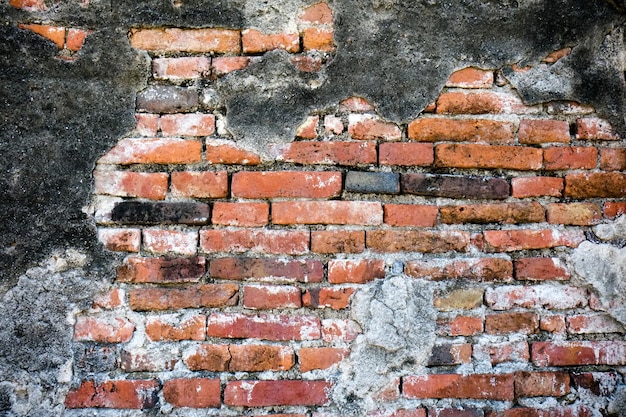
x: 255, y: 42
x: 308, y: 129
x: 161, y: 270
x: 504, y: 323
x: 318, y: 39
x: 161, y: 328
x: 240, y: 214
x: 108, y: 300
x: 178, y: 242
x: 290, y: 242
x: 493, y: 213
x: 613, y: 159
x: 219, y: 151
x: 259, y: 358
x: 338, y: 241
x: 153, y: 359
x: 597, y: 383
x: 477, y: 386
x: 450, y: 354
x: 371, y: 127
x: 200, y: 184
x: 223, y: 65
x: 28, y: 5
x: 339, y: 330
x: 193, y: 392
x: 355, y: 271
x: 418, y: 412
x: 327, y: 153
x: 208, y: 295
x: 268, y: 297
x: 503, y: 352
x: 147, y: 124
x: 91, y: 357
x: 181, y: 68
x: 568, y: 108
x: 613, y: 209
x: 596, y: 323
x: 470, y: 77
x: 553, y: 323
x: 465, y: 299
x: 190, y: 124
x: 596, y: 184
x: 455, y: 186
x: 577, y: 214
x: 593, y: 128
x: 416, y: 215
x: 540, y: 269
x: 356, y: 104
x: 465, y: 130
x: 372, y: 182
x: 267, y: 327
x: 103, y: 329
x: 154, y: 151
x: 524, y: 187
x: 55, y: 34
x: 320, y: 358
x: 460, y: 326
x: 480, y: 269
x: 76, y: 38
x: 416, y: 241
x: 293, y: 184
x: 481, y: 102
x: 576, y: 353
x: 535, y: 132
x: 406, y: 154
x: 327, y: 212
x: 135, y: 394
x: 122, y: 240
x: 333, y: 125
x: 167, y: 99
x: 335, y: 298
x: 456, y: 412
x: 547, y: 296
x: 208, y: 357
x: 524, y: 239
x: 554, y: 56
x: 488, y: 156
x: 570, y: 157
x: 283, y: 392
x: 541, y: 384
x: 186, y: 40
x: 317, y: 14
x: 152, y: 186
x: 574, y: 411
x: 273, y: 270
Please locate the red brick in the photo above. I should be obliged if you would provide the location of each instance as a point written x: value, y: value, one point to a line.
x: 154, y: 151
x: 121, y: 240
x: 553, y: 323
x: 356, y: 104
x: 208, y: 357
x: 170, y: 241
x: 577, y: 214
x: 574, y: 411
x: 161, y: 270
x: 223, y: 65
x: 327, y: 212
x: 370, y: 127
x: 283, y: 392
x: 255, y: 42
x: 418, y: 412
x: 568, y: 108
x: 147, y: 124
x: 273, y: 270
x: 480, y: 102
x: 220, y: 151
x: 271, y: 296
x: 541, y: 269
x: 574, y: 353
x: 292, y: 184
x: 541, y: 384
x: 317, y: 39
x: 455, y: 412
x: 504, y: 352
x: 465, y: 299
x: 597, y: 184
x: 186, y: 40
x: 524, y: 187
x: 416, y: 215
x: 613, y: 209
x: 450, y: 354
x: 416, y: 241
x: 596, y: 323
x: 535, y: 132
x: 306, y: 63
x: 547, y: 296
x: 181, y: 68
x: 103, y: 329
x: 525, y: 239
x: 570, y: 157
x: 317, y: 14
x: 598, y: 383
x: 406, y: 154
x: 289, y: 242
x: 480, y: 269
x: 510, y: 213
x: 470, y: 77
x: 193, y: 392
x: 504, y: 323
x: 335, y: 298
x: 355, y: 271
x: 108, y: 300
x: 488, y: 156
x: 76, y: 38
x: 593, y: 128
x: 477, y: 386
x: 465, y: 130
x: 461, y: 326
x: 240, y: 214
x: 54, y: 33
x: 259, y: 358
x: 333, y: 125
x: 29, y: 5
x: 189, y: 124
x: 327, y: 153
x: 200, y: 184
x: 135, y: 394
x: 187, y: 328
x: 308, y: 129
x: 613, y: 159
x: 267, y: 327
x: 152, y: 186
x: 338, y: 241
x: 208, y: 295
x: 148, y: 360
x: 320, y: 358
x: 339, y: 330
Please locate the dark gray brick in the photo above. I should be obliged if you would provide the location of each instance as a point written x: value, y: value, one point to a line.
x: 455, y: 186
x: 167, y: 99
x: 372, y: 182
x: 136, y: 212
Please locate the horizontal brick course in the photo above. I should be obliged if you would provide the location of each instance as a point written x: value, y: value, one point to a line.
x: 327, y: 212
x: 266, y: 327
x: 284, y: 392
x: 208, y: 295
x: 292, y: 184
x: 478, y: 386
x: 488, y: 157
x: 186, y: 40
x: 455, y: 186
x: 464, y: 130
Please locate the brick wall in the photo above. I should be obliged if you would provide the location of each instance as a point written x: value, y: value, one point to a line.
x: 241, y: 263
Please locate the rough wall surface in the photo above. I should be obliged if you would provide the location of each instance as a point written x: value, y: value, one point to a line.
x: 381, y: 208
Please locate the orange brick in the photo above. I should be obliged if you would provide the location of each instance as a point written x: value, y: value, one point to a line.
x: 192, y: 328
x: 524, y: 187
x: 504, y: 323
x: 613, y: 209
x: 411, y: 215
x: 223, y: 65
x: 470, y: 77
x: 480, y: 102
x: 574, y: 157
x: 181, y: 68
x: 335, y: 298
x: 597, y: 184
x: 227, y: 152
x: 307, y: 63
x: 514, y: 240
x: 493, y: 213
x: 316, y: 39
x: 577, y: 214
x: 327, y: 212
x: 308, y: 129
x: 267, y: 297
x: 355, y: 271
x: 152, y: 186
x: 103, y: 329
x: 208, y: 357
x: 147, y: 124
x: 554, y: 56
x: 121, y: 240
x: 186, y: 40
x: 54, y: 33
x: 200, y: 184
x: 356, y: 104
x: 240, y: 214
x: 417, y: 241
x: 154, y: 151
x: 488, y: 156
x: 208, y: 295
x: 540, y: 269
x: 553, y: 323
x: 478, y: 386
x: 193, y: 392
x: 191, y: 124
x: 369, y: 127
x: 255, y: 42
x: 534, y: 132
x: 266, y: 327
x: 288, y: 242
x: 317, y: 14
x: 472, y: 130
x: 108, y: 300
x: 258, y: 358
x: 406, y: 154
x: 328, y: 153
x: 75, y: 39
x: 593, y: 128
x: 613, y: 159
x: 338, y: 241
x: 480, y: 269
x: 170, y: 241
x: 28, y: 5
x: 541, y: 384
x: 461, y: 326
x: 339, y: 330
x: 135, y: 394
x: 320, y: 358
x: 286, y: 184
